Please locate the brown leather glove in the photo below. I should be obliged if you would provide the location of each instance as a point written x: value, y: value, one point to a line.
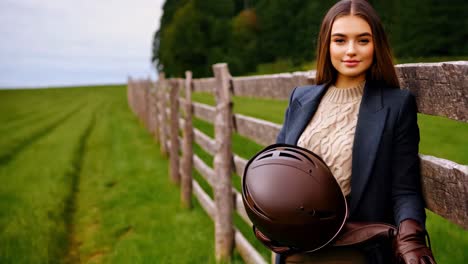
x: 410, y: 244
x: 271, y: 244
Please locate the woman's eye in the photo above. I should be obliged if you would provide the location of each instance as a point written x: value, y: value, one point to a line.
x: 364, y: 41
x: 339, y: 41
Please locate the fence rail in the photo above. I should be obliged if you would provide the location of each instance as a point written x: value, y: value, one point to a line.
x: 440, y: 88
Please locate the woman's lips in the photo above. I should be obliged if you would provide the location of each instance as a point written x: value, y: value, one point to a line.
x: 351, y: 63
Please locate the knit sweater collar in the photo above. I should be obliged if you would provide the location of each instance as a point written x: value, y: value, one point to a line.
x: 344, y: 95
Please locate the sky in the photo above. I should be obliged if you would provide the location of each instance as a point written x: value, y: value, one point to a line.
x: 46, y: 43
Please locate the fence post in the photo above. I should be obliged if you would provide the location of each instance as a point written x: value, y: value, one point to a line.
x: 140, y: 100
x: 224, y: 230
x: 154, y: 111
x: 137, y: 98
x: 148, y: 105
x: 186, y: 183
x: 146, y: 112
x: 162, y: 114
x: 174, y: 120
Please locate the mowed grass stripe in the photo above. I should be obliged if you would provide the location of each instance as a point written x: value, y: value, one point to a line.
x: 14, y: 143
x: 37, y: 115
x: 34, y: 191
x: 70, y: 203
x: 20, y: 104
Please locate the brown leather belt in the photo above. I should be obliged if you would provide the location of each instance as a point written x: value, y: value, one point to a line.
x: 345, y: 249
x: 331, y: 255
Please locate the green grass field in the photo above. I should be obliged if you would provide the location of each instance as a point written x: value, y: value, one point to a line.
x: 83, y: 182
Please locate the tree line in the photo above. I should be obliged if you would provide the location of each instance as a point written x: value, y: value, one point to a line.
x: 194, y: 34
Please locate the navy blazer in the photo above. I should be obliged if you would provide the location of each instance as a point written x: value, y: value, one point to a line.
x: 385, y: 178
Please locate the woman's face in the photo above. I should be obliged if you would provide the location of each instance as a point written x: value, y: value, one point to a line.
x: 351, y: 49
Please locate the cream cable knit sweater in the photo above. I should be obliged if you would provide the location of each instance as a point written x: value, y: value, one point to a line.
x: 330, y: 132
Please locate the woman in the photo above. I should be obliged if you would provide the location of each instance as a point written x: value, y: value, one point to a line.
x: 365, y: 128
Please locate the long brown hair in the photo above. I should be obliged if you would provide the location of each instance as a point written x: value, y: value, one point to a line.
x: 382, y: 68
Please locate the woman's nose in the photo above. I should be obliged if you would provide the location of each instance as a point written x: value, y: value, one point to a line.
x: 350, y: 50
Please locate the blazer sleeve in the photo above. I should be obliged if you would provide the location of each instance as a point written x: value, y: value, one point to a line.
x: 281, y: 138
x: 406, y: 182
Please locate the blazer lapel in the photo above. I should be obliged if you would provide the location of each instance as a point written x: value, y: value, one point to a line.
x: 369, y: 128
x: 302, y: 110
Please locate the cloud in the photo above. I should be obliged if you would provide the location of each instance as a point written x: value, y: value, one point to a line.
x: 52, y: 42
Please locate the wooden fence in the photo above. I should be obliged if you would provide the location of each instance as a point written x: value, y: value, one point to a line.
x: 441, y: 89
